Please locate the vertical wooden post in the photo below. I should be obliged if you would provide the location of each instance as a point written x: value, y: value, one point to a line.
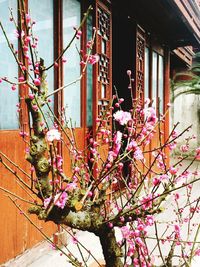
x: 166, y: 95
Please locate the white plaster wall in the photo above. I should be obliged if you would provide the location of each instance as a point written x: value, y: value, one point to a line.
x: 186, y: 110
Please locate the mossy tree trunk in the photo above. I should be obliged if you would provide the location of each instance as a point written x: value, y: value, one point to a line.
x: 111, y: 250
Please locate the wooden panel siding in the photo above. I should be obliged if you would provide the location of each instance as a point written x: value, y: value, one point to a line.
x: 16, y: 233
x: 188, y: 11
x: 185, y: 53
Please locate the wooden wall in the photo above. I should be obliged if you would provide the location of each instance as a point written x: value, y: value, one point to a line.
x: 16, y: 233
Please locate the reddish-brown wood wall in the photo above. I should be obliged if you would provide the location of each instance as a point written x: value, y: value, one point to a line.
x: 17, y: 234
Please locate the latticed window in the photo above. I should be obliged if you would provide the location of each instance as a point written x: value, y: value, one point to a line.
x: 104, y: 82
x: 149, y: 70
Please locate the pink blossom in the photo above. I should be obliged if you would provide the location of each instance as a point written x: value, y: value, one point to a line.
x: 14, y: 87
x: 164, y: 177
x: 34, y: 45
x: 90, y: 194
x: 121, y: 100
x: 168, y: 105
x: 23, y: 134
x: 71, y: 186
x: 89, y: 43
x: 82, y: 63
x: 141, y: 227
x: 25, y: 48
x: 173, y: 170
x: 111, y: 157
x: 197, y: 252
x: 128, y: 72
x: 26, y: 56
x: 138, y: 240
x: 149, y: 220
x: 27, y: 40
x: 176, y: 196
x: 32, y: 169
x: 28, y: 18
x: 132, y: 145
x: 64, y: 60
x: 136, y: 261
x: 58, y: 161
x: 137, y: 152
x: 174, y: 134
x: 198, y: 153
x: 94, y: 151
x: 146, y: 202
x: 35, y: 107
x: 172, y: 146
x: 76, y: 169
x: 60, y: 199
x: 150, y: 115
x: 123, y: 117
x: 53, y: 134
x: 108, y: 165
x: 147, y: 101
x: 120, y: 165
x: 138, y: 155
x: 93, y: 59
x: 16, y: 33
x: 74, y: 240
x: 125, y: 232
x: 21, y: 79
x: 177, y: 230
x: 31, y: 96
x: 37, y: 82
x: 110, y: 225
x: 78, y: 34
x: 184, y: 148
x: 156, y: 181
x: 46, y: 202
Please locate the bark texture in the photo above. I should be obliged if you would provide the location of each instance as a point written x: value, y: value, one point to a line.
x: 111, y: 249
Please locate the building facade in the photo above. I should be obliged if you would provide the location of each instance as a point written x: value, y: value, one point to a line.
x: 150, y: 38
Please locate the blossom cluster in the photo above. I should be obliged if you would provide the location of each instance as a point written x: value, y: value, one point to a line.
x: 133, y: 235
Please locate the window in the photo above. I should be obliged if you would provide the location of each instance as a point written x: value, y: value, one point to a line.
x: 161, y: 83
x: 54, y: 27
x: 72, y: 94
x: 8, y: 68
x: 146, y: 73
x: 154, y: 78
x: 43, y: 29
x: 158, y: 81
x: 89, y: 77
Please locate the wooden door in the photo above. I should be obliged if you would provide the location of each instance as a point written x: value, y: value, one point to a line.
x: 96, y: 84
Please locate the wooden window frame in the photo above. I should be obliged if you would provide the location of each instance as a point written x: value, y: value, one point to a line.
x: 58, y: 73
x: 154, y: 46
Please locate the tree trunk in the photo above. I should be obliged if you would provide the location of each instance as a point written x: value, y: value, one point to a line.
x: 111, y: 250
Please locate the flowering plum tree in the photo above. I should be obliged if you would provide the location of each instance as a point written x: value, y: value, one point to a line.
x: 119, y: 182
